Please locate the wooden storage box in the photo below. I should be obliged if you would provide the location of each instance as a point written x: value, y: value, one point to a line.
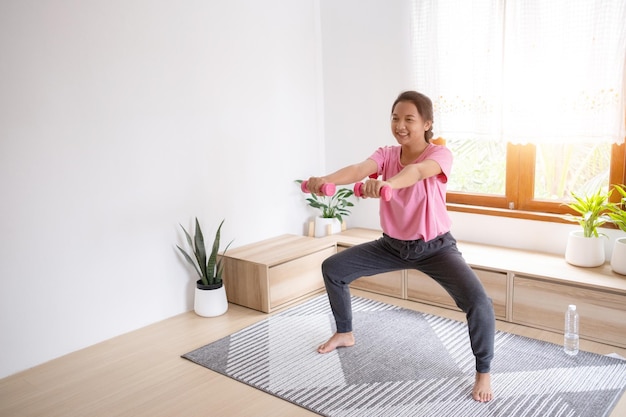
x: 541, y: 303
x: 276, y: 272
x: 526, y: 287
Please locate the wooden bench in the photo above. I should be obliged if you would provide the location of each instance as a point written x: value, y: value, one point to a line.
x: 527, y: 288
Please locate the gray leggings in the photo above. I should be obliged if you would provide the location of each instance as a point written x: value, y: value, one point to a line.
x: 439, y: 258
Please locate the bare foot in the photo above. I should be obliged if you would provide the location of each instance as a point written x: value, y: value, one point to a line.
x: 337, y: 340
x: 482, y: 388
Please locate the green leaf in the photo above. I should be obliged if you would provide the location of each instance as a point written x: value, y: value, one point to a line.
x: 201, y: 253
x: 189, y: 241
x: 190, y: 260
x: 220, y: 263
x: 211, y: 271
x: 617, y: 211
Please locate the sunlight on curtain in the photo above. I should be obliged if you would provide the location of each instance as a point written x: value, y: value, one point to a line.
x: 523, y: 71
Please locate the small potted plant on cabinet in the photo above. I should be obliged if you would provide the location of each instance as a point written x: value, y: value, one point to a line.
x: 586, y: 247
x: 210, y: 295
x: 332, y: 210
x: 618, y: 217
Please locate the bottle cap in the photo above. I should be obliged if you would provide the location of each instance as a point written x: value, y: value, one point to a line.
x: 572, y: 307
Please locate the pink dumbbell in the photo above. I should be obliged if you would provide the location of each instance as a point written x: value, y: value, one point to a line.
x: 327, y: 189
x: 385, y: 192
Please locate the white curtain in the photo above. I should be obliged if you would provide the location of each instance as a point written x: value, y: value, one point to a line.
x: 523, y: 71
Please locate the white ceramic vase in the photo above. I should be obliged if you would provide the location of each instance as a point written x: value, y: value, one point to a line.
x: 324, y: 226
x: 618, y: 259
x: 210, y: 302
x: 584, y: 251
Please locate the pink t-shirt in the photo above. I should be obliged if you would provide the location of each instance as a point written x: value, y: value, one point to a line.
x: 419, y: 211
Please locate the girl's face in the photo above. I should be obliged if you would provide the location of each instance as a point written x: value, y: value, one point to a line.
x: 407, y: 124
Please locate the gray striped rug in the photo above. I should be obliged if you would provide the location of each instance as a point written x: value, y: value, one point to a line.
x: 407, y: 363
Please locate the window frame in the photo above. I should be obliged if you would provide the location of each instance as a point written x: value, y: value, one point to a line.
x: 519, y: 201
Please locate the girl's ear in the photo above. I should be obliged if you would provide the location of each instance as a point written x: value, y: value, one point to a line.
x: 427, y: 126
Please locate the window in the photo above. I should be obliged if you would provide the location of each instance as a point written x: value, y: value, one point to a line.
x: 529, y: 95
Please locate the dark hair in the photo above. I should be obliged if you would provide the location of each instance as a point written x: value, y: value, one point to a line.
x: 424, y: 107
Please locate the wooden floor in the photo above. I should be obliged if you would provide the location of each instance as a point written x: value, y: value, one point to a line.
x: 141, y: 373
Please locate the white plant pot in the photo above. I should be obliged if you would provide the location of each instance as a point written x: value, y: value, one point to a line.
x: 210, y: 303
x: 584, y: 251
x: 324, y: 226
x: 618, y: 259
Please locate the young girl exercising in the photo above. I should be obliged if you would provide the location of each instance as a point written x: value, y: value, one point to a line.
x: 416, y: 232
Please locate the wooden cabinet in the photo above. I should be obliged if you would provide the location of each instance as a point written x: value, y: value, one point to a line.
x: 526, y: 287
x: 540, y: 303
x: 275, y: 272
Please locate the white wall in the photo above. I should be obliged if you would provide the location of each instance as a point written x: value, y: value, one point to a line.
x: 366, y: 45
x: 118, y: 121
x: 121, y: 119
x: 366, y: 54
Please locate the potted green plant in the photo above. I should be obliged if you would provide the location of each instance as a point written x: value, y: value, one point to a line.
x: 617, y: 213
x: 210, y: 295
x: 586, y: 247
x: 332, y: 210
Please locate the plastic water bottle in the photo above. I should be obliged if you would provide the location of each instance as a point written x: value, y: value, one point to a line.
x: 570, y: 338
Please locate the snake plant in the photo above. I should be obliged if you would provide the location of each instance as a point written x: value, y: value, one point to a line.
x: 209, y: 269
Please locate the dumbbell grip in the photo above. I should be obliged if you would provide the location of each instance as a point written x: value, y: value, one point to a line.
x: 385, y: 192
x: 327, y: 189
